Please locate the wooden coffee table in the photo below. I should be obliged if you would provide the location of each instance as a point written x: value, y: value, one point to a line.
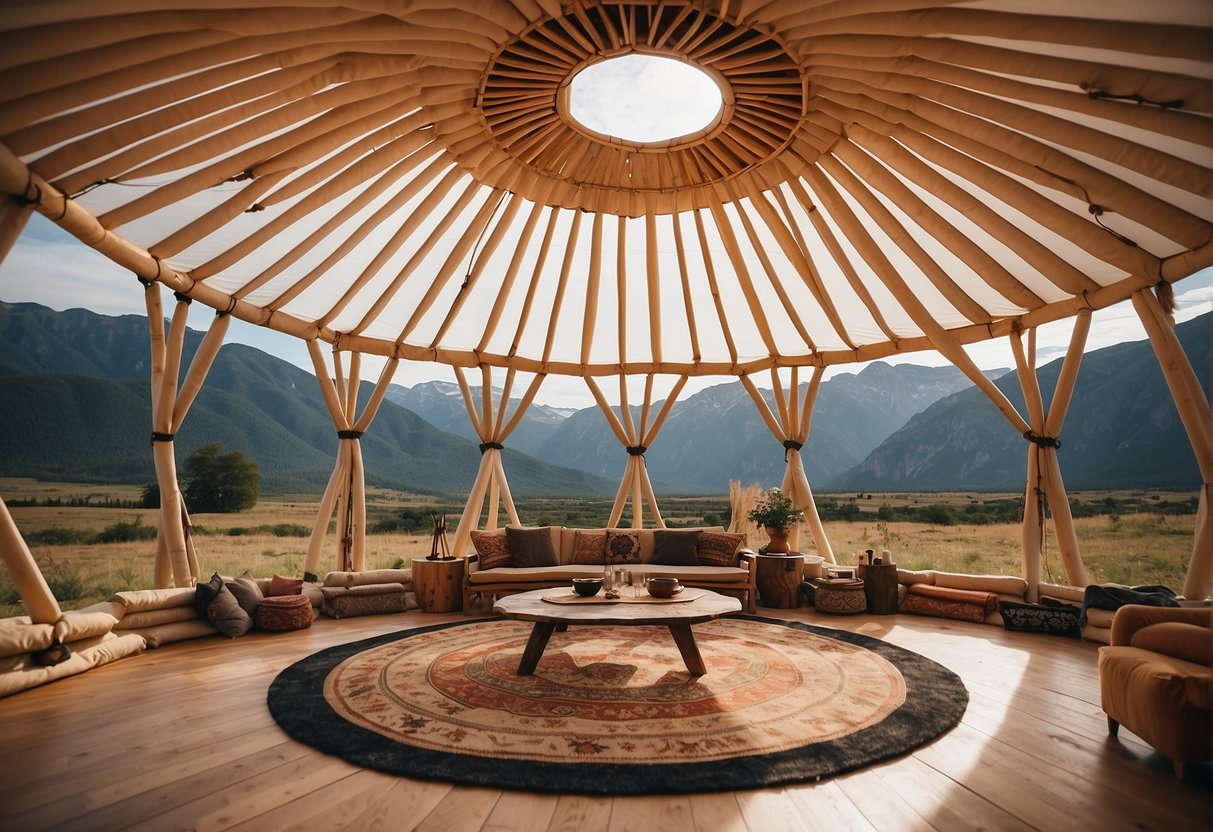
x: 678, y: 616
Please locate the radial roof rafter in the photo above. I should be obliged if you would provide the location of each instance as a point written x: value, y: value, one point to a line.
x: 409, y: 179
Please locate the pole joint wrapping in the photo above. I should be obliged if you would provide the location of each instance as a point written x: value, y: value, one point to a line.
x: 349, y: 434
x: 157, y: 436
x: 1041, y: 441
x: 484, y: 446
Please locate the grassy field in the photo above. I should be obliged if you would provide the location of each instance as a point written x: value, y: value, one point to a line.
x: 1138, y: 540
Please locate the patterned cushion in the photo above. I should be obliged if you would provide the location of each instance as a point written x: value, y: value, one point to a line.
x: 941, y: 602
x: 493, y: 547
x: 368, y: 599
x: 719, y: 548
x: 278, y: 613
x: 589, y: 548
x: 623, y: 546
x: 1059, y: 619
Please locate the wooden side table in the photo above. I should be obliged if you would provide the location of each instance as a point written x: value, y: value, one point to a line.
x: 438, y: 584
x: 880, y: 587
x: 778, y: 578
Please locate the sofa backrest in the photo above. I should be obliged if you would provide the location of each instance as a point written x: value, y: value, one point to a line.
x: 568, y: 538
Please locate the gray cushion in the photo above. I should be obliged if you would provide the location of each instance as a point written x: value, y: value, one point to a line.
x: 225, y: 614
x: 247, y: 593
x: 675, y: 548
x: 205, y: 593
x: 531, y: 547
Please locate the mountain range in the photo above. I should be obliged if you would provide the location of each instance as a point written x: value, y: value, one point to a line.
x: 75, y: 405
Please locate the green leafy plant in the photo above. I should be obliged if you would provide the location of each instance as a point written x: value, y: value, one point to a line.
x: 775, y: 511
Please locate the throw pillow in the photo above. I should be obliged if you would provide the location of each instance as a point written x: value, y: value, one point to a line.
x: 675, y: 548
x: 205, y: 593
x: 589, y: 548
x: 493, y: 548
x: 531, y: 547
x: 1058, y: 619
x: 225, y: 614
x: 622, y: 546
x: 719, y: 548
x: 281, y: 585
x: 247, y: 593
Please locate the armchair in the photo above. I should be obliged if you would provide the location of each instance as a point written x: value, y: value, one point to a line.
x: 1155, y: 679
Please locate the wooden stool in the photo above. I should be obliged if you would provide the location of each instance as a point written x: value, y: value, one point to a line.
x: 439, y: 584
x: 841, y: 597
x: 778, y: 578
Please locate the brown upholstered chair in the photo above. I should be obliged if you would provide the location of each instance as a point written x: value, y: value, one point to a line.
x: 1155, y: 679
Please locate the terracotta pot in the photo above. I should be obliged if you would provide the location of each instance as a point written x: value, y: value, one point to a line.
x: 779, y: 541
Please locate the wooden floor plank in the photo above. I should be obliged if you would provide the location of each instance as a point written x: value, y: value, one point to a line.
x: 180, y: 737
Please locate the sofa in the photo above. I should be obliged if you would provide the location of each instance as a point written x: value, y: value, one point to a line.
x: 517, y: 559
x: 1155, y: 679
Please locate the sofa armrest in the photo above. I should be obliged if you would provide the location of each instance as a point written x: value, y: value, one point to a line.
x: 1132, y: 617
x: 749, y: 560
x: 471, y: 563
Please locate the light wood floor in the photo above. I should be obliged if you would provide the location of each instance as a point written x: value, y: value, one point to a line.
x: 180, y: 738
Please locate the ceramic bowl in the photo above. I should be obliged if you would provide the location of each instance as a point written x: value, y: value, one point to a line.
x: 663, y: 587
x: 586, y: 587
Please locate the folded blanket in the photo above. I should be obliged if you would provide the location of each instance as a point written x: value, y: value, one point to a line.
x: 1115, y: 597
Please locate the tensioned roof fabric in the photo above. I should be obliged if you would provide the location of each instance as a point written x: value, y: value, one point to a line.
x: 402, y: 176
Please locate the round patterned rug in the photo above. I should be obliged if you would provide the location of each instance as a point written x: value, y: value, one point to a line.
x: 612, y: 710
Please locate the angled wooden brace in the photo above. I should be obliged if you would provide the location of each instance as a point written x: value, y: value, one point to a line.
x: 1194, y: 412
x: 635, y: 483
x: 1044, y: 483
x: 176, y: 560
x: 493, y: 428
x: 792, y: 428
x: 346, y: 489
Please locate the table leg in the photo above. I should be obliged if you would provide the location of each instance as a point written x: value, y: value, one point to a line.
x: 540, y: 633
x: 685, y: 640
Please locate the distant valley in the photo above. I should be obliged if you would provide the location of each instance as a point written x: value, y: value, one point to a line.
x: 75, y: 405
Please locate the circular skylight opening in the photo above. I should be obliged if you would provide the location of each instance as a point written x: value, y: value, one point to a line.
x: 643, y: 98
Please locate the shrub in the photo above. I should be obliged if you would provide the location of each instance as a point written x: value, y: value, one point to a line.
x: 58, y: 536
x: 126, y: 531
x: 64, y: 579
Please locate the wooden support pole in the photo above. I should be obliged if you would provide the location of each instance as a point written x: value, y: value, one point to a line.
x: 36, y: 595
x: 13, y: 218
x: 1194, y: 412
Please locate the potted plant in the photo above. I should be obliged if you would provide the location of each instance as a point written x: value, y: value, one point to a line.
x: 776, y: 513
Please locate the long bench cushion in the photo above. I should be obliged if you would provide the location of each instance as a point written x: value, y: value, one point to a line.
x: 85, y: 656
x: 75, y: 625
x: 162, y: 634
x: 141, y: 600
x: 19, y: 635
x: 154, y: 618
x: 1005, y: 586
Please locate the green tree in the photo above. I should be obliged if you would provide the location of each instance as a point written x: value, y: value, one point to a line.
x: 219, y: 482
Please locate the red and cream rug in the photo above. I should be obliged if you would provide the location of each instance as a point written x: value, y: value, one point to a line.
x: 612, y: 710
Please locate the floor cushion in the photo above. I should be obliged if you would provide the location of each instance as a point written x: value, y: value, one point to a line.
x: 278, y: 613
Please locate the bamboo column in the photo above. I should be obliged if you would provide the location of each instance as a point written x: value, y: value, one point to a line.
x: 792, y: 429
x: 176, y: 560
x: 346, y: 489
x: 1044, y: 484
x: 1194, y: 412
x: 13, y: 217
x: 635, y: 485
x: 493, y: 429
x: 36, y: 595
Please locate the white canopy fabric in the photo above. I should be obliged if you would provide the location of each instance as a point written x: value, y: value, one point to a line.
x: 401, y: 177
